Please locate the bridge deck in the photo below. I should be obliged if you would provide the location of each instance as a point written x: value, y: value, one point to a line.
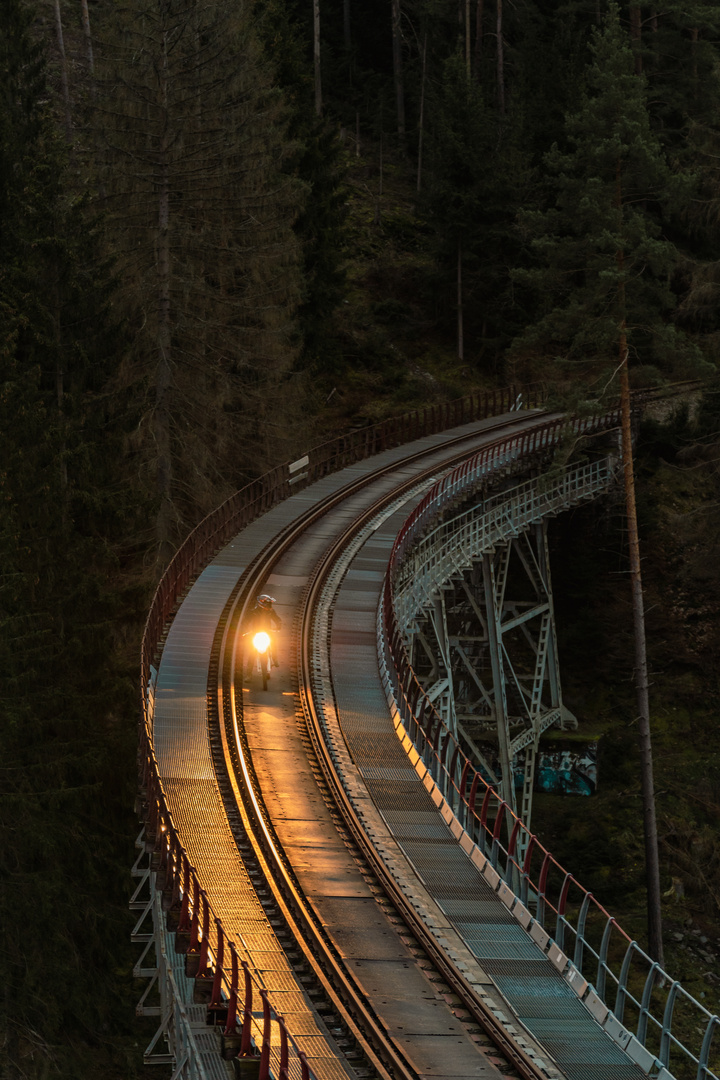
x: 538, y: 994
x: 457, y: 898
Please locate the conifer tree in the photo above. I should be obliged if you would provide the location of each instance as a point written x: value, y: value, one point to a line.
x: 61, y: 527
x: 609, y: 191
x: 473, y: 175
x: 201, y: 215
x: 604, y: 268
x: 317, y: 162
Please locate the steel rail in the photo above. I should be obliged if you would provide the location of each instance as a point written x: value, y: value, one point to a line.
x: 480, y: 1012
x: 200, y: 546
x: 318, y: 952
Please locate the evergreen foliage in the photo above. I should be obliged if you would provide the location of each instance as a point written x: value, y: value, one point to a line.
x: 476, y: 171
x: 318, y: 164
x: 603, y: 257
x: 63, y: 826
x: 133, y: 399
x: 200, y: 215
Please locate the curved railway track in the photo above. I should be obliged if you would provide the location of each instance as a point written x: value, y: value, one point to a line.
x: 269, y: 828
x: 361, y: 1028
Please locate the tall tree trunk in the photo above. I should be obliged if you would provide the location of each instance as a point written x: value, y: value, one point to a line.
x: 163, y: 370
x: 460, y: 326
x: 468, y: 68
x: 694, y: 38
x: 478, y: 36
x: 346, y: 25
x: 88, y: 35
x: 636, y: 36
x: 500, y: 59
x: 316, y: 57
x: 421, y: 119
x: 63, y: 72
x: 397, y: 67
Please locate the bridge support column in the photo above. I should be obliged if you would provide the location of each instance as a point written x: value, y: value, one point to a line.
x: 486, y: 651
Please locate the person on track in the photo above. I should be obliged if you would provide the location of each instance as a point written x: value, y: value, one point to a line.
x: 264, y: 617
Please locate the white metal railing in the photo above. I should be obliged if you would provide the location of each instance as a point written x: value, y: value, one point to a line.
x: 457, y: 541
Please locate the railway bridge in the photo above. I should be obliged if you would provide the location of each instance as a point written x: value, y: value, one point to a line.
x: 335, y: 878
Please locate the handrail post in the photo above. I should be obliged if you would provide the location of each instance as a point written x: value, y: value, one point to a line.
x: 702, y: 1072
x: 645, y: 1003
x: 542, y: 885
x: 246, y: 1044
x: 602, y: 958
x: 664, y: 1052
x: 562, y: 904
x: 284, y: 1070
x: 619, y: 1009
x: 216, y: 1004
x: 231, y: 1020
x: 267, y: 1027
x: 580, y: 933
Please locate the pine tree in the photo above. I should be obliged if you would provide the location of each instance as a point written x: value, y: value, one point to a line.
x: 473, y: 175
x: 62, y: 509
x: 605, y: 270
x: 318, y: 163
x: 201, y: 215
x: 603, y: 257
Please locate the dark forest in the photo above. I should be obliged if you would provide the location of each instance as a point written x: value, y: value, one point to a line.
x: 229, y: 232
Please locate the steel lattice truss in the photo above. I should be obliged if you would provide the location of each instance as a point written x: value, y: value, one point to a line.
x: 482, y: 640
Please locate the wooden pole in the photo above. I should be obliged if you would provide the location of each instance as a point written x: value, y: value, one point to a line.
x: 642, y: 686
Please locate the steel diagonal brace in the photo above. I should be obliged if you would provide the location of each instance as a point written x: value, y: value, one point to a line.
x: 474, y: 675
x: 524, y: 617
x: 546, y: 720
x: 474, y: 605
x: 501, y: 713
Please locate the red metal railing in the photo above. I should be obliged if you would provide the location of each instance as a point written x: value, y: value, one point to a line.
x: 225, y: 984
x: 199, y: 934
x: 258, y: 496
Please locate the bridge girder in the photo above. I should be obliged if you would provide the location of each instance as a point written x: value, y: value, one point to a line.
x: 485, y: 650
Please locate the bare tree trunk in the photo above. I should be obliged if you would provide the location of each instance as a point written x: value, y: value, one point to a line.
x: 397, y: 67
x: 500, y: 59
x: 636, y: 36
x: 346, y: 25
x: 316, y: 57
x: 378, y: 214
x: 421, y: 119
x: 163, y: 371
x: 467, y: 40
x: 88, y: 36
x: 478, y: 36
x: 694, y: 38
x: 460, y: 327
x: 63, y: 72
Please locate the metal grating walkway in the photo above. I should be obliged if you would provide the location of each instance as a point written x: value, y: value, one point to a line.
x: 180, y: 737
x: 540, y: 997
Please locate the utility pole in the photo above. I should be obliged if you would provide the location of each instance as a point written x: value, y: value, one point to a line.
x: 642, y: 686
